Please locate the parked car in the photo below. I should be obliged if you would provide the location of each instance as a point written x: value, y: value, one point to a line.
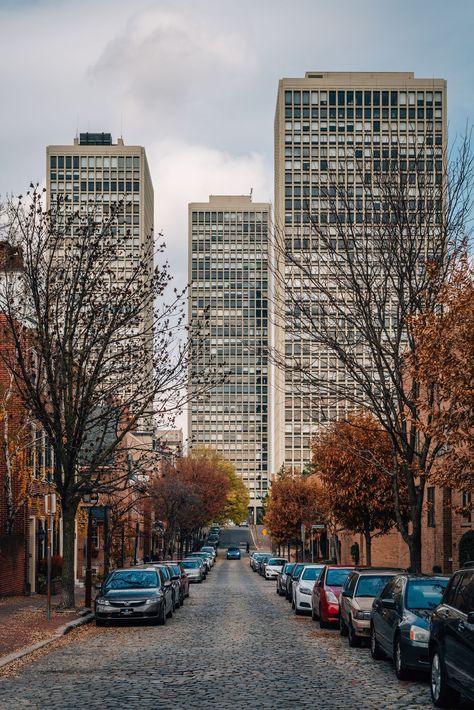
x: 262, y: 562
x: 282, y: 577
x: 135, y: 593
x: 400, y: 623
x: 326, y: 593
x: 303, y: 588
x: 358, y: 594
x: 255, y: 559
x: 179, y: 575
x: 175, y: 584
x: 205, y: 556
x: 451, y: 646
x: 211, y: 549
x: 195, y: 569
x: 273, y: 567
x: 233, y: 553
x: 292, y: 578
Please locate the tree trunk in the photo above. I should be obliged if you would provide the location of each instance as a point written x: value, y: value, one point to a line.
x: 368, y: 547
x: 69, y: 542
x: 414, y: 545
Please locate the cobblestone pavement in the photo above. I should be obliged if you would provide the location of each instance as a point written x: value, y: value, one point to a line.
x: 234, y: 644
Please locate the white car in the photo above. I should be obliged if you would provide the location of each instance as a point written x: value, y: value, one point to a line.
x: 303, y: 588
x: 273, y: 567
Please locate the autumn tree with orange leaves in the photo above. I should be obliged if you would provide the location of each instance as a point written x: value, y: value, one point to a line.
x: 191, y: 492
x: 293, y: 501
x: 445, y: 363
x: 353, y: 460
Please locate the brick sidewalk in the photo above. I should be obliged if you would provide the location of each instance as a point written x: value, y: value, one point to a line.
x: 23, y: 620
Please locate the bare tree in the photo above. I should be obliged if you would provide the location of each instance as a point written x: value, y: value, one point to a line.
x: 352, y: 278
x: 103, y: 352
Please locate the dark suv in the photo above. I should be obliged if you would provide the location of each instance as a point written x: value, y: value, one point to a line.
x: 452, y: 641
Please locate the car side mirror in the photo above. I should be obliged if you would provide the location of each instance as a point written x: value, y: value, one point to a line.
x: 470, y: 618
x: 388, y: 603
x: 346, y: 593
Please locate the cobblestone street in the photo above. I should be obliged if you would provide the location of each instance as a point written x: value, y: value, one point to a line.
x: 234, y: 644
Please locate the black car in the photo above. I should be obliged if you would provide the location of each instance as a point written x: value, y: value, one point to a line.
x: 134, y: 594
x: 292, y: 577
x: 400, y: 621
x: 451, y: 645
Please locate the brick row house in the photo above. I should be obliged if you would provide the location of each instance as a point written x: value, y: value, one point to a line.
x: 447, y: 536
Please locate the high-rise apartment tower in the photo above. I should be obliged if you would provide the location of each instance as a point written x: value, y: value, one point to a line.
x: 338, y: 130
x: 228, y: 272
x: 95, y: 174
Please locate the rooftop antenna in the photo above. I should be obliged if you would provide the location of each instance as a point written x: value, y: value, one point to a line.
x: 77, y: 125
x: 251, y: 193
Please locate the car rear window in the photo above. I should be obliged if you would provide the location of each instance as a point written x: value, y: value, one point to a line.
x: 297, y: 571
x: 425, y: 593
x: 372, y: 585
x: 287, y: 569
x: 337, y: 577
x: 190, y: 564
x: 311, y: 573
x: 275, y: 561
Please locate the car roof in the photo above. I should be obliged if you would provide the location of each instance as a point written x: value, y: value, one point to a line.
x: 378, y: 570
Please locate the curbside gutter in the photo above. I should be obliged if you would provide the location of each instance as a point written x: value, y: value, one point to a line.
x: 61, y: 631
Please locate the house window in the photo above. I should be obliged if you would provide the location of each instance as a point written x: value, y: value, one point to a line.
x: 430, y: 520
x: 466, y: 502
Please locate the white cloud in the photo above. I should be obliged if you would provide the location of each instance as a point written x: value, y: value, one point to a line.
x: 184, y: 172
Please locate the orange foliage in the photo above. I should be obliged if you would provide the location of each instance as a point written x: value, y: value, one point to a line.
x: 293, y: 500
x: 353, y: 460
x: 445, y: 358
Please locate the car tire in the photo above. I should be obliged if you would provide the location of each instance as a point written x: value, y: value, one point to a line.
x: 298, y: 612
x: 322, y: 624
x: 170, y: 613
x: 343, y: 630
x: 313, y: 615
x: 442, y: 695
x: 293, y: 604
x: 401, y: 671
x: 375, y: 650
x: 161, y: 621
x: 354, y: 641
x: 100, y: 622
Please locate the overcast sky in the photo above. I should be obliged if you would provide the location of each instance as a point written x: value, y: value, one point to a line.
x: 195, y: 81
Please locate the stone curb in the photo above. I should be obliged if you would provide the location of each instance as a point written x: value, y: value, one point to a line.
x: 61, y: 631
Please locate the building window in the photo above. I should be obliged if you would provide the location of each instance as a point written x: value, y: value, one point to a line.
x: 430, y: 520
x: 466, y: 502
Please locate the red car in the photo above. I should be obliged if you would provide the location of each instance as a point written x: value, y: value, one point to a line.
x: 326, y: 593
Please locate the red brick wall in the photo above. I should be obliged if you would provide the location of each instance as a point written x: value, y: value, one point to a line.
x: 12, y: 564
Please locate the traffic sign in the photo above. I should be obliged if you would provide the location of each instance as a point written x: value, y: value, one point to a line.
x: 318, y: 527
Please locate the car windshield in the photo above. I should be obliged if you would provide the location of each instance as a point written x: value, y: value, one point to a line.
x: 287, y: 569
x: 276, y: 562
x: 232, y: 549
x: 133, y: 580
x: 371, y: 585
x: 311, y: 573
x: 337, y: 577
x: 190, y: 564
x: 425, y: 593
x: 297, y: 570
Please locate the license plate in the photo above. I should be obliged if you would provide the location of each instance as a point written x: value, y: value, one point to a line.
x: 126, y: 612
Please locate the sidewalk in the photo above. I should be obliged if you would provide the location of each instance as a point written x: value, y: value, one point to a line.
x: 23, y: 621
x: 262, y: 542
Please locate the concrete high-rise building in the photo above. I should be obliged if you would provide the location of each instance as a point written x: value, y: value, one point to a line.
x: 95, y: 174
x: 228, y: 272
x: 336, y: 133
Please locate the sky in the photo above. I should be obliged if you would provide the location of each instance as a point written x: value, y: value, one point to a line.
x: 195, y: 81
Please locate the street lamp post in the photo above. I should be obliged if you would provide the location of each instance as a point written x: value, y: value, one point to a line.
x: 50, y: 510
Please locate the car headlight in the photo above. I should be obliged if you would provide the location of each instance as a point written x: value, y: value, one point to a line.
x: 306, y: 590
x: 103, y: 602
x: 150, y: 601
x: 362, y: 615
x: 419, y: 635
x: 331, y: 597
